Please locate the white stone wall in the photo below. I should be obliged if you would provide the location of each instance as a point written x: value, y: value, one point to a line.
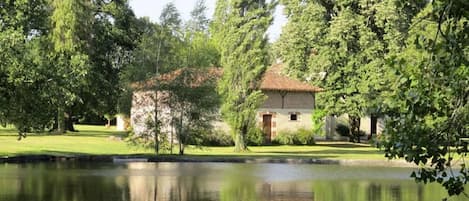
x: 142, y: 111
x: 365, y: 125
x: 300, y: 103
x: 281, y: 119
x: 121, y: 122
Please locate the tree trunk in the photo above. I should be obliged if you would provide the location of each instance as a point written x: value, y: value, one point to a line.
x: 171, y: 113
x: 181, y: 148
x: 60, y: 120
x: 181, y: 134
x: 69, y: 122
x: 374, y: 124
x: 240, y: 141
x: 354, y: 128
x: 171, y: 144
x: 156, y: 123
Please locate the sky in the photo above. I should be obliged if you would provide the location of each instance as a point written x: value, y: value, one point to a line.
x: 152, y: 9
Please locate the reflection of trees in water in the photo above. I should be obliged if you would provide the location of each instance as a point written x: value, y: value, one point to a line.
x: 241, y: 183
x: 184, y: 182
x: 352, y: 190
x: 374, y: 192
x: 396, y: 193
x: 58, y: 182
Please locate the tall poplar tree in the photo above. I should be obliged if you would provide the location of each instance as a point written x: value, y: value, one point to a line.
x: 244, y: 59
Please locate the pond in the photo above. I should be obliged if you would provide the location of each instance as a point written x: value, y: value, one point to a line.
x: 67, y: 181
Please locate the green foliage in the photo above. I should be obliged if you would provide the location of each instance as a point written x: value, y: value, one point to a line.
x: 343, y: 129
x: 305, y: 137
x: 240, y: 27
x: 217, y: 138
x: 24, y: 67
x: 285, y: 137
x: 193, y: 102
x: 200, y: 50
x: 147, y: 139
x: 170, y: 17
x: 116, y: 35
x: 199, y: 21
x: 428, y: 105
x: 255, y: 136
x: 319, y: 120
x: 301, y: 136
x: 167, y: 48
x: 341, y: 46
x: 61, y: 56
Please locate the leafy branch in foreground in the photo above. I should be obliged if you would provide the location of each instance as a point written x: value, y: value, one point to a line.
x: 428, y: 108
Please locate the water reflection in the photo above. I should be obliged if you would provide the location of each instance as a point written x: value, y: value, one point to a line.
x: 207, y: 182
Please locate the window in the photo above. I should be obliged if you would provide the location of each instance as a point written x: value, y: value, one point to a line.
x: 293, y: 117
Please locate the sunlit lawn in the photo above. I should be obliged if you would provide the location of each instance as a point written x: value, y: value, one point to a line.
x: 90, y: 140
x: 323, y: 150
x: 98, y: 140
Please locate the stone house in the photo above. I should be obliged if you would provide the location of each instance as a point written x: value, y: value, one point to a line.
x: 143, y: 99
x: 289, y: 103
x: 288, y: 106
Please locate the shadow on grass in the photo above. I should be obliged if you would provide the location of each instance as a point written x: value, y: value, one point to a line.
x: 81, y: 131
x: 264, y: 156
x: 328, y: 152
x: 342, y: 145
x: 69, y: 134
x: 46, y: 152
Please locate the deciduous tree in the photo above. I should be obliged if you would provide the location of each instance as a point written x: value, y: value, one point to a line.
x: 342, y: 46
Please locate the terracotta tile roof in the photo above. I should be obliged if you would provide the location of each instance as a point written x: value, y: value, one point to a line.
x: 199, y: 76
x: 274, y: 80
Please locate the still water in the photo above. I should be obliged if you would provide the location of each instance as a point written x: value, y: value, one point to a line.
x: 73, y: 181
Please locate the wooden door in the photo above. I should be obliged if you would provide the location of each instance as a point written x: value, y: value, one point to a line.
x: 374, y: 125
x: 267, y: 127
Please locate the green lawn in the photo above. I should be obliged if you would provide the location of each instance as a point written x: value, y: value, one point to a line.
x: 98, y: 140
x: 323, y: 150
x: 95, y: 140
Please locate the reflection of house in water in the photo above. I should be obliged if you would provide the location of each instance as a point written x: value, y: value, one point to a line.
x: 141, y: 187
x: 186, y: 182
x: 168, y: 184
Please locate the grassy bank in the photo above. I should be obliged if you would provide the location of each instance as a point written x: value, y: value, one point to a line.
x: 98, y: 140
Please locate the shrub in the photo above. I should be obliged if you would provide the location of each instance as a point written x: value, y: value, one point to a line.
x: 300, y: 137
x: 285, y: 137
x: 343, y: 129
x: 305, y: 137
x: 217, y: 138
x: 147, y: 139
x: 255, y: 137
x: 319, y: 120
